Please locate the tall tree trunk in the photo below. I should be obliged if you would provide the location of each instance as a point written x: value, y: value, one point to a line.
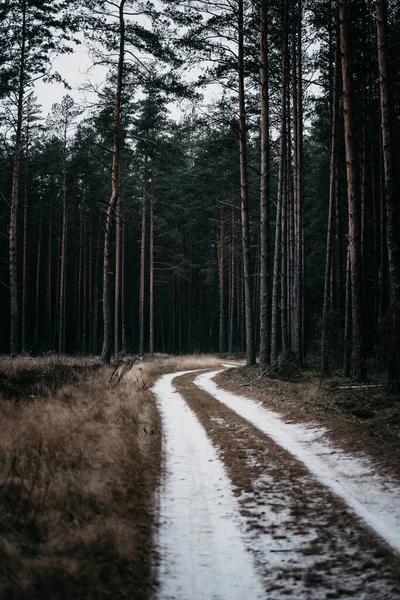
x: 298, y: 289
x: 107, y: 316
x: 90, y: 279
x: 57, y: 302
x: 281, y: 176
x: 392, y: 224
x: 151, y: 266
x: 285, y: 255
x: 117, y: 291
x: 264, y: 193
x: 190, y: 295
x: 49, y: 314
x: 85, y: 286
x: 221, y: 278
x: 358, y: 361
x: 347, y: 321
x: 329, y: 263
x: 61, y: 316
x: 232, y: 285
x: 96, y: 298
x: 37, y: 296
x: 79, y: 285
x: 123, y: 332
x: 143, y: 265
x: 25, y: 262
x: 13, y: 230
x: 250, y: 350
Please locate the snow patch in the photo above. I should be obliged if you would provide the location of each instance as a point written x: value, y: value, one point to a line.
x: 374, y: 498
x: 202, y: 550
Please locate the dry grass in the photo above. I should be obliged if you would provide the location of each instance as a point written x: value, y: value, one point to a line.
x: 80, y: 458
x: 78, y: 467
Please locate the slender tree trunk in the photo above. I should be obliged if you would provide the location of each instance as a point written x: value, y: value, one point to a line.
x: 13, y: 230
x: 57, y: 303
x: 285, y: 255
x: 85, y: 286
x: 49, y: 315
x: 391, y: 205
x: 90, y: 279
x: 221, y: 274
x: 117, y: 291
x: 250, y: 350
x: 25, y: 261
x: 96, y: 299
x: 37, y: 298
x: 331, y: 213
x: 358, y: 361
x: 61, y: 318
x: 107, y: 316
x: 264, y: 194
x: 347, y: 321
x: 151, y: 276
x: 298, y: 287
x: 143, y: 266
x: 299, y: 337
x: 79, y: 285
x: 281, y: 176
x: 232, y: 285
x: 190, y: 295
x: 123, y: 333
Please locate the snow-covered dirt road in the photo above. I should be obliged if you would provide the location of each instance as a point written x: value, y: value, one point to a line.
x: 252, y: 507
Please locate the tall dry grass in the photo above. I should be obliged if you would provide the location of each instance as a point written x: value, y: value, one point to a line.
x: 80, y: 459
x: 78, y: 467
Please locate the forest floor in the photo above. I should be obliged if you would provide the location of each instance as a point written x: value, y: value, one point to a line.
x: 272, y: 498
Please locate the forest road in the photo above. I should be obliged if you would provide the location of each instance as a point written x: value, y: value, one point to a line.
x: 251, y: 507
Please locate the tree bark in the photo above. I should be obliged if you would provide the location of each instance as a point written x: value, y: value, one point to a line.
x: 329, y: 263
x: 117, y: 291
x: 49, y: 315
x: 221, y: 277
x: 232, y: 285
x: 151, y: 266
x: 25, y: 260
x: 37, y: 297
x: 143, y: 264
x: 281, y: 176
x: 107, y: 317
x: 358, y: 361
x: 250, y: 350
x: 13, y: 230
x: 61, y: 316
x: 392, y: 224
x: 123, y: 333
x: 264, y: 193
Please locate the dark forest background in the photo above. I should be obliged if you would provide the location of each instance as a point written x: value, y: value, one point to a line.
x: 304, y: 139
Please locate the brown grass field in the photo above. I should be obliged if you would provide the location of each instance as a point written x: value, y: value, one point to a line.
x: 80, y: 458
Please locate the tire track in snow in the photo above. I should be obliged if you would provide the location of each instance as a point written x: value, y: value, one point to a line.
x: 202, y: 550
x: 374, y: 499
x: 303, y: 537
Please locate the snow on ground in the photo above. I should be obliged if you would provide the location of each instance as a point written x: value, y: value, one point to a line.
x: 374, y: 498
x: 202, y: 550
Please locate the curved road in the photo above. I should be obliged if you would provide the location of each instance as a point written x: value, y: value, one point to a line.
x: 252, y: 507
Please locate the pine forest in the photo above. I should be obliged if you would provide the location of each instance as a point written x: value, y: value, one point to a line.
x: 259, y: 218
